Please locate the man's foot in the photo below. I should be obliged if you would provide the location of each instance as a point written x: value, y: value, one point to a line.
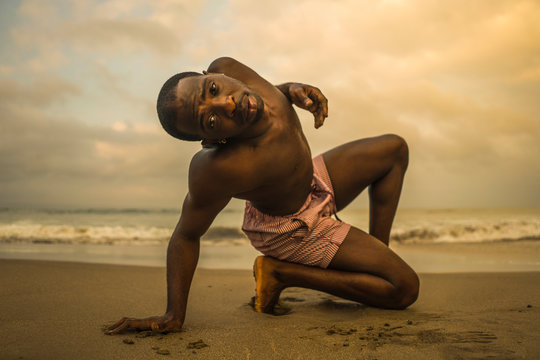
x: 268, y: 287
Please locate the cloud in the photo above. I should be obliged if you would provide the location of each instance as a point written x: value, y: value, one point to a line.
x: 117, y: 35
x: 459, y: 80
x: 43, y: 90
x: 48, y: 32
x: 48, y: 160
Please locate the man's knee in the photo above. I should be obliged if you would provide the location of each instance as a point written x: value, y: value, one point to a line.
x: 408, y: 291
x: 398, y: 148
x: 405, y: 291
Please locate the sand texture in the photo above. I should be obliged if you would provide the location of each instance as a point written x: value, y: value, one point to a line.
x: 55, y: 310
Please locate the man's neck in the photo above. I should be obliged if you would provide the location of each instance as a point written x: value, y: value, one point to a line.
x: 256, y: 131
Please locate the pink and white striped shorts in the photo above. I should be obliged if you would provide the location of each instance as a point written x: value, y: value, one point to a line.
x: 310, y: 236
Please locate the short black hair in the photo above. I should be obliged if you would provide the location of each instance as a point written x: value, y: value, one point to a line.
x: 167, y: 106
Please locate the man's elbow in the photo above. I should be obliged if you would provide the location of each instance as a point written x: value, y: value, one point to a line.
x: 220, y: 64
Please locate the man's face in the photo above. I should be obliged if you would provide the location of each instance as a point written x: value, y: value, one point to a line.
x: 215, y: 106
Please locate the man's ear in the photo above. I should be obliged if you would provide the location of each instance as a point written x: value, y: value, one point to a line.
x: 211, y: 73
x: 205, y: 72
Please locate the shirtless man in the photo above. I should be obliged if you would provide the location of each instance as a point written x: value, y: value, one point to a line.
x: 254, y: 149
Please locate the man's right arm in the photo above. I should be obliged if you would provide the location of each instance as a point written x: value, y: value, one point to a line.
x: 206, y: 198
x: 183, y: 254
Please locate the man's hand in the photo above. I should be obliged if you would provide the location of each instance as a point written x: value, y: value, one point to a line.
x: 308, y: 98
x: 163, y: 323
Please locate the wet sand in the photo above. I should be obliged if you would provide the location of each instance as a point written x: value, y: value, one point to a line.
x: 56, y: 310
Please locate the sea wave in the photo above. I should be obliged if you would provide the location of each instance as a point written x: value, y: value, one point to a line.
x: 25, y: 232
x: 468, y: 232
x: 104, y: 211
x: 107, y: 235
x: 84, y: 211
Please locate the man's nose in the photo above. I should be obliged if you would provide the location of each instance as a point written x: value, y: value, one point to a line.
x: 226, y: 104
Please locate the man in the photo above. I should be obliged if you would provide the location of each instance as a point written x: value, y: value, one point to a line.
x: 254, y: 149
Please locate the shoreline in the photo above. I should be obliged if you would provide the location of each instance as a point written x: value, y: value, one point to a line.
x: 506, y: 256
x: 57, y: 309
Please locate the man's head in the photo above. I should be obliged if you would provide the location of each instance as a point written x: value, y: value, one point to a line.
x: 167, y: 106
x: 192, y: 106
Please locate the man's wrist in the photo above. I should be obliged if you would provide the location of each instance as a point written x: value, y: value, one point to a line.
x: 175, y: 315
x: 284, y: 88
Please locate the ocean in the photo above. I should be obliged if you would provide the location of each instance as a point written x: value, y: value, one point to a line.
x: 140, y: 236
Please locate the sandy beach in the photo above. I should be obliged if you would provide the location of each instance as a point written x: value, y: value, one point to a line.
x: 56, y: 310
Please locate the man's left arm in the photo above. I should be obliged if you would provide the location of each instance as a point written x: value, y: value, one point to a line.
x: 304, y: 96
x: 308, y: 98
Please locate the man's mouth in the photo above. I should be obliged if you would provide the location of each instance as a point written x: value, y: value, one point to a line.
x: 249, y: 105
x: 252, y: 106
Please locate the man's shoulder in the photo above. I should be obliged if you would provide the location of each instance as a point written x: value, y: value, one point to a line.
x: 213, y: 159
x: 224, y: 169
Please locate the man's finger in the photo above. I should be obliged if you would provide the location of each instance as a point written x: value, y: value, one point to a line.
x: 319, y: 99
x: 300, y: 98
x: 323, y: 105
x: 319, y: 120
x: 315, y: 105
x: 120, y: 328
x: 116, y: 324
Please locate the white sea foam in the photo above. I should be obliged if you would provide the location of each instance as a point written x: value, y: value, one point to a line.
x: 468, y: 232
x: 130, y: 227
x: 107, y: 235
x: 68, y: 234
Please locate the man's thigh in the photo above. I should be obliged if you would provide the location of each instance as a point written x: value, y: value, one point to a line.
x: 356, y: 165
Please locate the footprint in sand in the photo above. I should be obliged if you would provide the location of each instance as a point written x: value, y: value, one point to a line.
x: 199, y: 344
x: 335, y: 330
x: 473, y: 337
x: 436, y: 336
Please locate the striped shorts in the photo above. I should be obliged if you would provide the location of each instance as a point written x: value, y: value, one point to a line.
x: 310, y: 236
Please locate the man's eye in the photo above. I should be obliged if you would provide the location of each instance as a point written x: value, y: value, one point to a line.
x: 213, y: 88
x: 212, y: 121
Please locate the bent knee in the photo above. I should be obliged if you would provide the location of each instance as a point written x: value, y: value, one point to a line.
x: 406, y: 292
x: 398, y: 148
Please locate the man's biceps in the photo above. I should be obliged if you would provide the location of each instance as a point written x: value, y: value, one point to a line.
x: 210, y: 202
x: 203, y: 212
x: 193, y: 224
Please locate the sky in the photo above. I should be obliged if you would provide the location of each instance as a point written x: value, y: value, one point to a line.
x: 459, y: 80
